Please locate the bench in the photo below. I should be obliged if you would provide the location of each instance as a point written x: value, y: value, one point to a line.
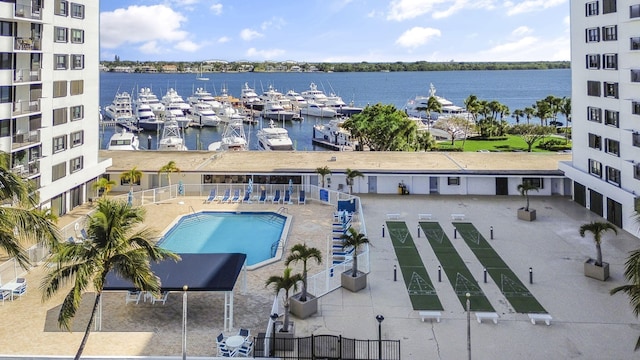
x: 457, y: 216
x: 540, y: 317
x: 424, y: 315
x: 393, y: 216
x: 424, y: 216
x: 487, y: 316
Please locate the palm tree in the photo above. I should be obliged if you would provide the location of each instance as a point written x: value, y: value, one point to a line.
x: 433, y: 105
x: 21, y: 221
x: 168, y: 168
x: 285, y: 282
x: 355, y: 239
x: 352, y: 174
x: 565, y: 109
x: 323, y: 171
x: 300, y: 252
x: 113, y: 246
x: 132, y: 176
x: 517, y: 114
x: 103, y: 184
x: 524, y: 189
x: 529, y: 113
x: 597, y: 228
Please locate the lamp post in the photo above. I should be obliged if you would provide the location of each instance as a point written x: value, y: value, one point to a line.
x: 379, y: 318
x: 468, y: 325
x: 274, y: 317
x: 184, y: 322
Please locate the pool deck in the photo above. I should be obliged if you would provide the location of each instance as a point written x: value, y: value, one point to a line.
x: 587, y: 323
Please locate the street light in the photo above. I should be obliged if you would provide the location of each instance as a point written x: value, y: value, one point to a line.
x: 274, y: 317
x: 380, y: 318
x: 184, y: 322
x: 468, y: 325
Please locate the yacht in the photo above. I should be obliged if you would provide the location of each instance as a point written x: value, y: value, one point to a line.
x: 121, y: 109
x: 313, y: 95
x: 202, y: 114
x: 202, y: 96
x: 173, y: 98
x: 174, y: 112
x: 274, y: 110
x: 146, y: 119
x: 123, y: 140
x: 274, y: 138
x: 296, y: 99
x: 333, y: 135
x: 171, y: 139
x: 448, y: 108
x: 335, y: 102
x: 318, y: 110
x: 233, y: 138
x: 250, y: 98
x: 146, y: 96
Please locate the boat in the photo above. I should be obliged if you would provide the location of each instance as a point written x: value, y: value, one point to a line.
x: 146, y: 119
x: 172, y: 97
x: 318, y: 110
x: 274, y: 110
x: 202, y: 114
x: 250, y: 99
x: 200, y: 76
x: 274, y: 138
x: 171, y: 139
x: 333, y: 136
x: 335, y: 102
x: 448, y: 108
x: 200, y: 95
x: 146, y: 96
x: 174, y: 112
x: 296, y: 99
x: 124, y: 140
x: 313, y: 95
x: 233, y: 138
x: 121, y: 109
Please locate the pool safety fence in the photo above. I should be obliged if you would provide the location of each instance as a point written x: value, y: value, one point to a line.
x: 324, y: 347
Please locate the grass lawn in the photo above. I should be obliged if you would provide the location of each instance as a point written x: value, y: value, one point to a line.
x: 512, y: 143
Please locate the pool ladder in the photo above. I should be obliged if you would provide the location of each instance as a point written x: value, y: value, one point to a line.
x: 193, y: 211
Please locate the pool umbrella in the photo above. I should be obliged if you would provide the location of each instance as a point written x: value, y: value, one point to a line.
x: 180, y: 188
x: 130, y: 197
x: 290, y: 186
x: 250, y: 186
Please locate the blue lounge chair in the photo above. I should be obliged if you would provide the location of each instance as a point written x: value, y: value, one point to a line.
x: 302, y: 198
x: 225, y: 197
x: 236, y: 196
x: 263, y: 196
x: 287, y: 197
x: 84, y: 235
x: 212, y: 196
x: 247, y: 197
x: 276, y: 197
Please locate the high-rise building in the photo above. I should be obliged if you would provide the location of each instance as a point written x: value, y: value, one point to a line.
x: 605, y: 94
x: 49, y: 97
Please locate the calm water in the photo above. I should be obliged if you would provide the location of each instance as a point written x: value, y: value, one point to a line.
x: 516, y: 89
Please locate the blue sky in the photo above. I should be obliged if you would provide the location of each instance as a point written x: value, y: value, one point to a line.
x: 335, y: 30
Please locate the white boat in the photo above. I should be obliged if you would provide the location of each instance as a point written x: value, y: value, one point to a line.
x: 318, y: 110
x: 335, y: 102
x: 448, y: 108
x: 250, y: 98
x: 313, y: 95
x: 296, y: 99
x: 174, y: 113
x: 233, y: 138
x: 202, y: 114
x: 200, y: 95
x: 274, y: 138
x: 200, y: 76
x: 123, y: 140
x: 121, y: 109
x: 274, y: 110
x: 146, y: 119
x: 146, y: 96
x: 228, y: 114
x: 171, y: 139
x: 333, y: 134
x: 172, y: 97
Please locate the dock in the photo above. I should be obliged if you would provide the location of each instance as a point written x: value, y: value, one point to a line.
x: 129, y: 127
x: 329, y: 145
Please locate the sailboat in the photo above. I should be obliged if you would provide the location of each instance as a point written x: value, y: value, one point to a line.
x: 200, y: 76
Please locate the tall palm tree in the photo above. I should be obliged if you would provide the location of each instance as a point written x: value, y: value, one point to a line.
x: 114, y: 245
x: 132, y: 176
x: 285, y: 282
x: 565, y: 109
x: 168, y: 168
x: 529, y: 113
x: 103, y: 184
x: 21, y: 221
x: 301, y: 252
x: 433, y: 105
x: 524, y: 189
x: 597, y: 228
x: 351, y: 175
x: 517, y: 114
x: 355, y: 239
x: 323, y: 171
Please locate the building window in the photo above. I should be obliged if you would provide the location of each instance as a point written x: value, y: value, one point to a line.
x: 59, y: 116
x: 611, y: 118
x: 77, y: 36
x: 77, y: 62
x: 6, y: 28
x: 77, y: 112
x: 591, y: 8
x: 610, y: 33
x: 126, y: 181
x: 6, y: 94
x: 612, y: 147
x: 75, y: 164
x: 635, y: 139
x: 453, y: 180
x: 608, y: 6
x: 635, y: 43
x: 635, y: 107
x: 593, y: 61
x: 613, y: 175
x: 5, y: 128
x: 58, y: 171
x: 634, y: 11
x: 77, y: 11
x: 593, y: 34
x: 59, y: 89
x: 77, y: 87
x: 61, y: 8
x: 635, y: 75
x: 6, y: 61
x: 593, y: 88
x: 77, y: 138
x: 595, y: 141
x: 610, y: 61
x: 59, y: 144
x: 61, y: 61
x: 611, y: 90
x: 595, y: 168
x: 537, y: 182
x: 60, y: 34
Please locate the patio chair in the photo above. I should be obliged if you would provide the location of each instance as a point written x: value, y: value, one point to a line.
x: 163, y: 298
x: 236, y: 196
x: 263, y: 196
x: 276, y: 197
x: 247, y: 197
x: 245, y: 333
x: 133, y: 296
x: 302, y: 198
x: 5, y: 294
x: 225, y: 197
x: 22, y: 289
x: 245, y: 350
x: 225, y: 352
x: 287, y: 197
x: 212, y: 196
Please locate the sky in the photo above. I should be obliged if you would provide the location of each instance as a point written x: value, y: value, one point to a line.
x: 335, y: 30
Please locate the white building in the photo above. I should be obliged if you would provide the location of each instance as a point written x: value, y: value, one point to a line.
x: 49, y: 92
x: 605, y: 75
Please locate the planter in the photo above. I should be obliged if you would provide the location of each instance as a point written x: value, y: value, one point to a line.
x: 284, y: 340
x: 596, y: 272
x: 353, y: 284
x: 526, y: 215
x: 303, y: 309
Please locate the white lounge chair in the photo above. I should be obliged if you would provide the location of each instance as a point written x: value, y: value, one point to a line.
x: 163, y: 298
x: 133, y: 296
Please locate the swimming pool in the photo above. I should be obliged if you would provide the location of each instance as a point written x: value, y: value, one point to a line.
x: 259, y: 235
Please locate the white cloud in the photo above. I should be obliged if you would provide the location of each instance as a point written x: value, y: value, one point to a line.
x: 273, y: 23
x: 224, y: 39
x: 531, y: 5
x: 520, y: 31
x: 265, y: 54
x: 249, y: 34
x: 150, y: 47
x: 216, y: 9
x: 400, y: 10
x: 141, y: 24
x: 417, y: 36
x: 188, y: 46
x: 528, y: 48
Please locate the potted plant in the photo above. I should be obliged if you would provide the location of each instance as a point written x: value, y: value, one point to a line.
x: 525, y: 213
x: 351, y: 175
x: 323, y: 172
x: 285, y: 282
x: 353, y: 279
x: 103, y: 186
x: 303, y: 304
x: 597, y: 269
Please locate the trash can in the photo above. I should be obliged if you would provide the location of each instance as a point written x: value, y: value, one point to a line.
x: 400, y: 189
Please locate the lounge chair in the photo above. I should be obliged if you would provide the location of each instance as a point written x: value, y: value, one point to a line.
x: 212, y: 196
x: 276, y: 197
x: 287, y: 197
x: 236, y: 196
x: 84, y: 235
x: 263, y: 196
x: 302, y: 199
x: 163, y: 298
x: 133, y: 296
x: 225, y: 197
x: 247, y: 197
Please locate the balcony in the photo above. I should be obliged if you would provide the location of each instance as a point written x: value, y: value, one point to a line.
x: 27, y: 44
x: 27, y: 75
x: 25, y: 139
x: 28, y: 12
x: 27, y: 170
x: 21, y: 107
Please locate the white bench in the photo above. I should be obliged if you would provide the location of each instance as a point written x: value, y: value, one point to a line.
x: 487, y: 316
x: 393, y: 216
x: 540, y: 317
x: 424, y: 216
x: 424, y: 315
x: 457, y: 216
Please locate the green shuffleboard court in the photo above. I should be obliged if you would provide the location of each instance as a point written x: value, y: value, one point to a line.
x: 454, y: 267
x: 513, y: 289
x: 421, y: 291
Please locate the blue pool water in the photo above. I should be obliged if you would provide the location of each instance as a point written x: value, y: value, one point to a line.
x: 255, y: 234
